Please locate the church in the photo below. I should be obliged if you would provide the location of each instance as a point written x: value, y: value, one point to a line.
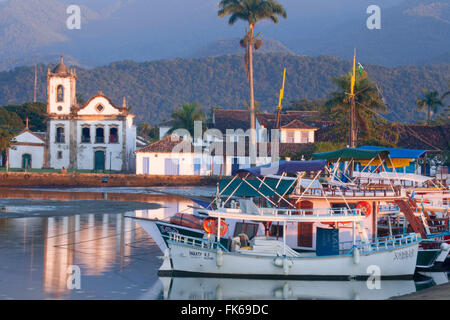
x: 98, y: 135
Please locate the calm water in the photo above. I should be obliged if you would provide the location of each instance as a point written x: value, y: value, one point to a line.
x: 118, y: 260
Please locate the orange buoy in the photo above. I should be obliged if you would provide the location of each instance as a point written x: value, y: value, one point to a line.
x: 211, y: 226
x: 365, y: 208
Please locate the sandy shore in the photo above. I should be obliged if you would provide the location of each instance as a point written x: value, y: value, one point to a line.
x: 441, y: 292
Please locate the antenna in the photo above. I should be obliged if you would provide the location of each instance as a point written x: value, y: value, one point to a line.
x: 281, y: 98
x: 35, y: 83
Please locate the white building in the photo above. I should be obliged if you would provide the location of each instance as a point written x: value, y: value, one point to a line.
x: 98, y: 135
x: 27, y: 150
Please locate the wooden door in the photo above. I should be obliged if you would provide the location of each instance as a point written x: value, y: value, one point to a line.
x: 305, y: 229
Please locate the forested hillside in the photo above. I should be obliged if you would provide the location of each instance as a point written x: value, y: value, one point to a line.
x: 154, y: 89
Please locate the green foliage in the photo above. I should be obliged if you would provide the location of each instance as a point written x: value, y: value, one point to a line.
x: 327, y: 146
x: 5, y: 138
x: 185, y: 117
x: 429, y: 101
x: 156, y: 88
x: 368, y: 106
x: 36, y: 112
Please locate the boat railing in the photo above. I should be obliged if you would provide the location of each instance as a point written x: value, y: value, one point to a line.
x: 194, y: 242
x: 389, y: 208
x: 380, y: 244
x: 318, y: 212
x: 367, y: 191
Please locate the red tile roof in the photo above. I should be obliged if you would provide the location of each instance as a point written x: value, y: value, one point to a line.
x: 167, y: 145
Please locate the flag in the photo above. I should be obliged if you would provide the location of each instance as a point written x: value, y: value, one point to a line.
x: 360, y: 68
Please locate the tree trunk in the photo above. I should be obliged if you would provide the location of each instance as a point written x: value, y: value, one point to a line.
x: 428, y: 114
x: 252, y: 145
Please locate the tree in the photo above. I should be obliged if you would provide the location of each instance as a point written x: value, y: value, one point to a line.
x: 430, y: 101
x: 185, y: 117
x: 251, y: 11
x: 367, y: 106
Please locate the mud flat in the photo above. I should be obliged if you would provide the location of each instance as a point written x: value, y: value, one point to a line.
x: 440, y: 292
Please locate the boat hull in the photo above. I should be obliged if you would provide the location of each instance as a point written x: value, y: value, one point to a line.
x: 186, y: 260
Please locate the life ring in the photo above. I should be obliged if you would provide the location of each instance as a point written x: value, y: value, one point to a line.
x: 365, y: 208
x: 211, y: 226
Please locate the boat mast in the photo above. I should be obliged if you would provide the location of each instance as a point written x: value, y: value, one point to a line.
x: 353, y: 132
x: 281, y: 98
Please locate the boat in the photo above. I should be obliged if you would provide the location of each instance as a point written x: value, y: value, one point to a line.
x: 269, y: 257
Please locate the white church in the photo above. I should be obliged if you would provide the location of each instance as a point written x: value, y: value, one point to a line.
x: 98, y: 135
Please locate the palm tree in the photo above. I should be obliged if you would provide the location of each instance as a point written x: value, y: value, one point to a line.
x: 367, y: 106
x: 251, y: 11
x: 431, y: 101
x: 185, y: 117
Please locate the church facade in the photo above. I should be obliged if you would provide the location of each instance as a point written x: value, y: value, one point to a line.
x: 98, y: 135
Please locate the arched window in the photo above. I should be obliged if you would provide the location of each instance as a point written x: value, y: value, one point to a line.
x: 113, y: 135
x: 60, y: 135
x: 60, y: 94
x: 86, y: 135
x: 99, y: 135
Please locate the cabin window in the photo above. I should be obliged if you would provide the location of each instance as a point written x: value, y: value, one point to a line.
x: 100, y: 135
x: 60, y: 138
x: 86, y: 135
x: 60, y: 94
x: 250, y: 229
x: 113, y: 135
x: 276, y: 230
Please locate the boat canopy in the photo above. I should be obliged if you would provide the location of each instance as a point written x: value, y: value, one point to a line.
x: 392, y: 176
x: 277, y: 168
x: 227, y: 187
x: 397, y: 153
x: 351, y: 154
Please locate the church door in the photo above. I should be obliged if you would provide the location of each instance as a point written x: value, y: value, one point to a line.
x: 26, y: 161
x: 99, y: 160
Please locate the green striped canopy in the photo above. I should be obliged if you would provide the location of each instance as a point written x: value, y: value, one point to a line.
x: 244, y: 190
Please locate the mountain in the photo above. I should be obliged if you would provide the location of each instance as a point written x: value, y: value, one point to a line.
x: 155, y: 88
x: 411, y: 32
x: 27, y: 27
x: 231, y: 46
x: 141, y: 30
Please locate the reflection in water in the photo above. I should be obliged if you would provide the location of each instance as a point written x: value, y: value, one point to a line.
x: 118, y: 260
x: 227, y: 289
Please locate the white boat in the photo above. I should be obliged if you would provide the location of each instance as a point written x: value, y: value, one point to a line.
x: 265, y: 257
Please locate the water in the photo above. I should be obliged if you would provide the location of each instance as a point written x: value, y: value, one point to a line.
x: 41, y: 241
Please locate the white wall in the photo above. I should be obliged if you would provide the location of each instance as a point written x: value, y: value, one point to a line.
x: 54, y: 147
x: 157, y: 162
x: 297, y: 136
x: 113, y: 151
x: 36, y: 152
x: 69, y: 92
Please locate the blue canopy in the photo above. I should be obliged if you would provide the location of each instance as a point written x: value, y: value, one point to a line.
x: 277, y: 168
x: 396, y: 153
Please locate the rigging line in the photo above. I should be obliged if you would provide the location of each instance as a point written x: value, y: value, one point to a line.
x: 110, y: 236
x: 412, y: 132
x: 64, y: 234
